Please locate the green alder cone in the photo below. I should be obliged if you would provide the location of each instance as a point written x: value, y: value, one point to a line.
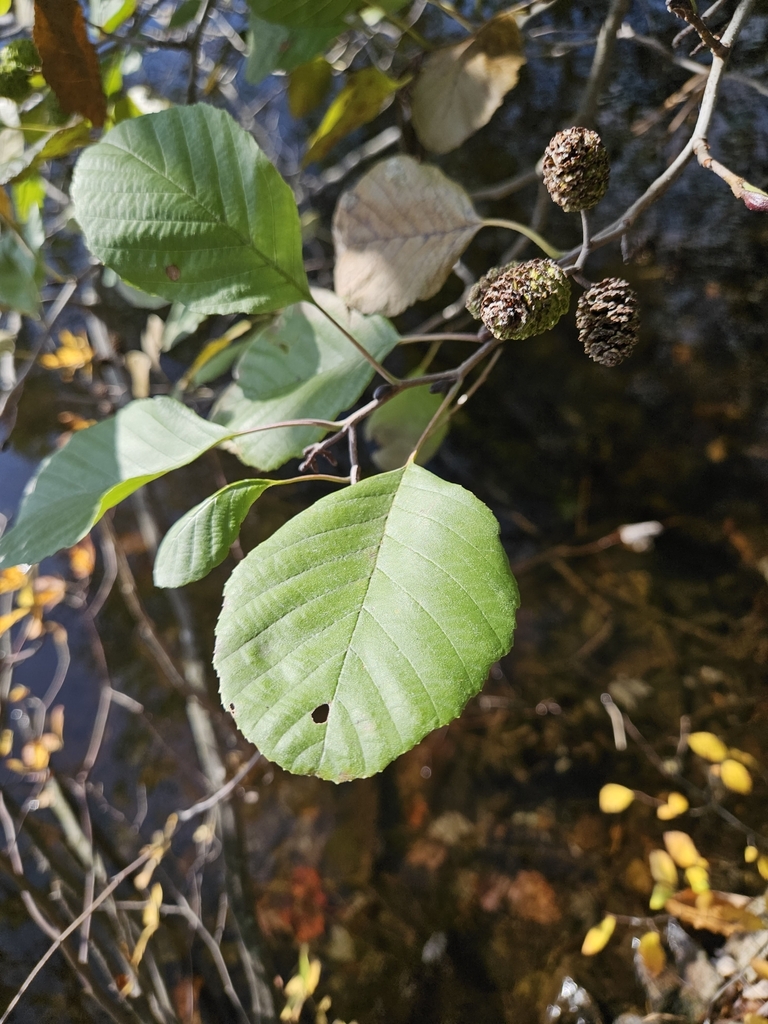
x: 364, y: 623
x: 183, y: 204
x: 521, y: 300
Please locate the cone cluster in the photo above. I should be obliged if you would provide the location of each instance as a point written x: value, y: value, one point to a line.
x: 576, y: 169
x: 521, y: 300
x: 608, y: 321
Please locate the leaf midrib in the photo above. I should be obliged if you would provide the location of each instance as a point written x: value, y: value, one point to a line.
x: 360, y: 611
x: 247, y: 243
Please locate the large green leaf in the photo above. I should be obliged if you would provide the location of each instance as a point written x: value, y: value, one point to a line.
x: 363, y: 623
x: 184, y: 204
x: 201, y: 539
x: 98, y: 468
x: 273, y: 46
x: 300, y: 367
x: 303, y: 13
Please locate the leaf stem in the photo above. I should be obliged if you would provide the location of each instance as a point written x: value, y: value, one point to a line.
x: 409, y: 339
x: 523, y: 229
x: 363, y: 351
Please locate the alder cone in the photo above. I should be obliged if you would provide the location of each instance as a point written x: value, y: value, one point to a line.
x: 521, y: 300
x: 576, y: 169
x: 608, y: 321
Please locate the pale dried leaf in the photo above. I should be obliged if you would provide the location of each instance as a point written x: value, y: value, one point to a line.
x: 461, y: 86
x: 398, y: 232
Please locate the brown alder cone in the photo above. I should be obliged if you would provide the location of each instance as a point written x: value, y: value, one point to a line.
x: 520, y: 300
x: 608, y: 321
x: 69, y: 62
x: 576, y: 169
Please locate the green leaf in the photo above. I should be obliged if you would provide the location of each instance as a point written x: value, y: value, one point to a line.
x: 121, y: 15
x: 5, y: 6
x: 200, y: 540
x: 180, y: 324
x: 397, y: 426
x: 379, y: 609
x: 99, y: 467
x: 184, y: 13
x: 185, y: 205
x: 274, y: 46
x: 21, y: 275
x: 300, y: 14
x: 300, y: 367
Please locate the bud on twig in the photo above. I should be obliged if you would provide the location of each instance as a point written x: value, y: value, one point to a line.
x: 521, y: 300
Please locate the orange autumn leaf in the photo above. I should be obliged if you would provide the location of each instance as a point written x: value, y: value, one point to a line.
x: 73, y: 353
x: 532, y: 898
x: 82, y: 558
x: 69, y: 62
x: 12, y: 579
x: 6, y: 621
x: 722, y: 913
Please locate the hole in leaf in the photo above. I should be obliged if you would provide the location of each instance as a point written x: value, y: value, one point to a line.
x: 320, y: 714
x: 232, y: 708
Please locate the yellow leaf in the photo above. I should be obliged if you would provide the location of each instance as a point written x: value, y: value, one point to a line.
x: 11, y: 579
x: 746, y: 759
x: 16, y: 766
x: 73, y: 353
x: 660, y: 895
x: 751, y: 854
x: 51, y: 742
x: 48, y: 591
x: 56, y: 721
x: 301, y: 986
x: 681, y: 849
x: 308, y: 85
x: 762, y: 866
x: 676, y: 804
x: 151, y: 921
x: 34, y: 756
x: 17, y: 693
x: 735, y: 776
x: 698, y: 878
x: 708, y: 746
x: 6, y: 742
x: 760, y: 967
x: 663, y: 869
x: 362, y: 98
x: 651, y: 953
x: 211, y: 349
x: 615, y: 798
x: 6, y: 621
x: 597, y: 937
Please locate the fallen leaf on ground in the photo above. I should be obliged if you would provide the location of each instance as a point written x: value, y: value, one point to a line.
x: 531, y: 897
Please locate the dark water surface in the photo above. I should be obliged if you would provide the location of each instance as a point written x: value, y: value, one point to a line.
x: 457, y: 886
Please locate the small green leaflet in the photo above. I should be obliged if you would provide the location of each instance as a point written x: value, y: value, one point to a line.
x: 99, y: 467
x: 201, y: 539
x: 183, y: 204
x: 300, y: 367
x: 365, y: 622
x: 273, y: 46
x: 300, y: 14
